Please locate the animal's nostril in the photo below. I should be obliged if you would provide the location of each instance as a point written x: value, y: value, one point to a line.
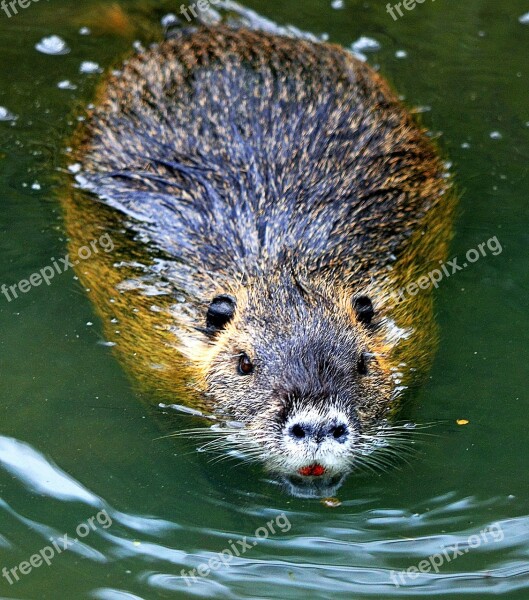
x: 319, y: 433
x: 339, y: 432
x: 297, y: 431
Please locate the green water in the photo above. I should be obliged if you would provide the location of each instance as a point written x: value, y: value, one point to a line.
x: 75, y: 439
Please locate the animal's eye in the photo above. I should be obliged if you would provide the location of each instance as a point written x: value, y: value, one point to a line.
x: 364, y: 309
x: 245, y: 365
x: 361, y: 365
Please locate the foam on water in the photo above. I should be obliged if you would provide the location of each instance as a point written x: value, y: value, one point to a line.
x: 52, y: 45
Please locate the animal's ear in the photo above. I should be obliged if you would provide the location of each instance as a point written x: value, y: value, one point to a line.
x: 220, y: 312
x: 364, y: 310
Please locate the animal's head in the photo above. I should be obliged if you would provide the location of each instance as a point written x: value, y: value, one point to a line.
x: 304, y: 371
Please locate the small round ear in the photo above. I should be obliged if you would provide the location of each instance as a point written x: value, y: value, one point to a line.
x: 220, y: 312
x: 364, y: 309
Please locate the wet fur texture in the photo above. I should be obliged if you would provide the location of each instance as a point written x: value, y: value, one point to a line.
x: 287, y: 174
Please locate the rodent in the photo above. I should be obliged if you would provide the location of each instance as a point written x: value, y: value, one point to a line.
x: 267, y: 195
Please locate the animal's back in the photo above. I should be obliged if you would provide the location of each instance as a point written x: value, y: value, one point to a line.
x: 233, y: 149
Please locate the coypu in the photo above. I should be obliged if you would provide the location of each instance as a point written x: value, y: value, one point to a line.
x: 267, y: 195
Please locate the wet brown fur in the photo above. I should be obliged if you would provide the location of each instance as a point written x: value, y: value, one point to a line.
x: 376, y: 253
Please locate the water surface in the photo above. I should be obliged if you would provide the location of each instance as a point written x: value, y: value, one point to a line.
x: 76, y: 441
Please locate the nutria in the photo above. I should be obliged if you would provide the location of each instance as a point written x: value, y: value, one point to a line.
x: 267, y: 196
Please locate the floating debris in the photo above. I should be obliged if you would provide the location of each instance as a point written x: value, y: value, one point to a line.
x: 496, y: 135
x: 365, y: 44
x: 337, y: 4
x: 524, y: 19
x: 52, y: 45
x: 418, y: 110
x: 182, y: 409
x: 331, y: 502
x: 88, y: 67
x: 66, y: 85
x: 6, y: 115
x: 169, y: 20
x: 401, y: 54
x: 462, y: 421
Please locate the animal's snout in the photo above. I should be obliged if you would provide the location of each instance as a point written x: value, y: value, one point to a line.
x: 307, y: 431
x: 317, y: 441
